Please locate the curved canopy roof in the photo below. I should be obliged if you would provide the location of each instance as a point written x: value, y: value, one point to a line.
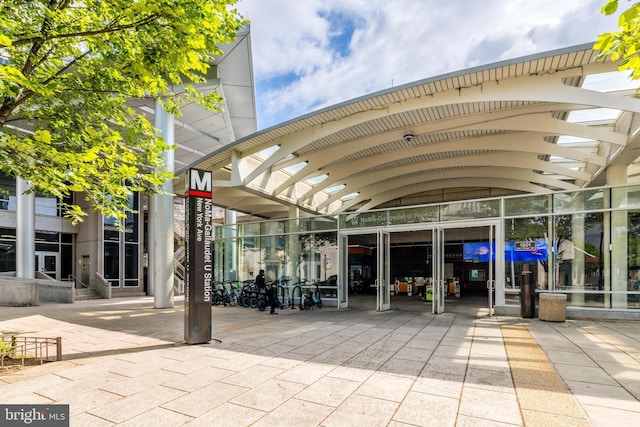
x: 542, y: 123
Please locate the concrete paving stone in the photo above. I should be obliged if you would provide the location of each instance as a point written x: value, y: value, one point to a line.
x: 128, y: 407
x: 285, y: 361
x: 313, y: 349
x: 386, y: 386
x: 403, y: 367
x: 253, y: 376
x: 496, y: 363
x: 328, y: 391
x: 127, y: 386
x: 227, y: 415
x: 446, y: 368
x: 438, y: 386
x: 32, y: 385
x: 276, y: 350
x: 358, y: 410
x: 628, y: 371
x: 295, y: 412
x: 632, y: 386
x: 603, y: 395
x: 468, y: 421
x: 616, y: 356
x: 331, y: 357
x: 420, y: 409
x: 473, y: 403
x: 89, y: 400
x: 204, y: 399
x: 189, y: 366
x: 413, y: 353
x: 87, y: 420
x: 453, y: 351
x: 306, y: 373
x: 350, y: 373
x: 197, y: 379
x: 586, y: 374
x: 159, y: 417
x: 388, y: 344
x: 61, y: 391
x: 269, y: 395
x: 600, y: 416
x: 571, y: 358
x: 489, y: 379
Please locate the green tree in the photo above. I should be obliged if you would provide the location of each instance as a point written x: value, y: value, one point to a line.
x: 68, y: 72
x: 623, y: 44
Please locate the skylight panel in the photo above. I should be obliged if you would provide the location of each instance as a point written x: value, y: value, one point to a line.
x: 295, y: 168
x: 335, y: 188
x: 316, y: 179
x: 267, y: 152
x: 594, y: 115
x: 610, y: 82
x: 349, y: 196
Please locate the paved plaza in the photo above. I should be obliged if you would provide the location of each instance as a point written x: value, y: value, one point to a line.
x: 126, y: 364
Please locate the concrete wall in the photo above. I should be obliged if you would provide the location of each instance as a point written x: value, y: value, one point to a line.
x: 18, y: 292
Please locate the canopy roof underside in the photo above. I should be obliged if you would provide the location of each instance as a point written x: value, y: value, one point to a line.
x: 548, y: 122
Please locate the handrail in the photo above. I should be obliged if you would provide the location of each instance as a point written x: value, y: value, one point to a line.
x: 76, y: 281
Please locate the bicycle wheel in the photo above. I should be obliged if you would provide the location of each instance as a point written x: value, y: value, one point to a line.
x: 262, y: 304
x: 253, y: 302
x: 319, y: 304
x: 246, y: 301
x: 233, y: 300
x: 307, y: 304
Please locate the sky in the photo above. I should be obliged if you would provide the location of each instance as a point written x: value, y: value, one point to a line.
x: 311, y: 54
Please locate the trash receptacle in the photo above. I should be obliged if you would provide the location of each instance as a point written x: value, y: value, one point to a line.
x: 428, y: 295
x: 527, y: 294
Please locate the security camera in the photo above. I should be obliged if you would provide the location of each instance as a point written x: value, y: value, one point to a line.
x: 408, y: 137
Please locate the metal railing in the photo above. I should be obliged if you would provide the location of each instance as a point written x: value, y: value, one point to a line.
x: 24, y: 349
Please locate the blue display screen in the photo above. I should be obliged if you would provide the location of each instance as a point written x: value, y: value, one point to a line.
x: 479, y: 252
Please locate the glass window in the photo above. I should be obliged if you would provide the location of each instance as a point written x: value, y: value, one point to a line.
x: 579, y: 261
x: 131, y: 264
x: 414, y: 215
x: 324, y: 223
x: 470, y: 210
x: 527, y: 205
x: 526, y: 243
x: 364, y: 219
x: 585, y: 200
x: 112, y: 262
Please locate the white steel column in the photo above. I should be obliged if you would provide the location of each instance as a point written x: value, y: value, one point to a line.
x: 617, y: 175
x: 25, y: 231
x: 231, y: 266
x: 161, y: 259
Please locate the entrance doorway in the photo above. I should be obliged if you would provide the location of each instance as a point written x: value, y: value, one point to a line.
x: 48, y: 263
x: 428, y: 265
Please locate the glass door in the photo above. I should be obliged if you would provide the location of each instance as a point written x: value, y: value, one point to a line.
x: 47, y: 263
x: 439, y: 279
x: 343, y: 275
x: 383, y: 288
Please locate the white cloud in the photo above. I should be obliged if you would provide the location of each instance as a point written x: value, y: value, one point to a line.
x: 396, y: 42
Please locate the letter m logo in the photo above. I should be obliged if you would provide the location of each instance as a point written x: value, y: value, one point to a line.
x: 200, y: 181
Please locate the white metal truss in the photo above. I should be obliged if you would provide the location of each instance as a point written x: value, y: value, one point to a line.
x: 503, y: 127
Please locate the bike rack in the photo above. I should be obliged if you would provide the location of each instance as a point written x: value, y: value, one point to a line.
x: 293, y: 294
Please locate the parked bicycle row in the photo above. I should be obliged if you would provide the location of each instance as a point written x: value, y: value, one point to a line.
x: 250, y: 294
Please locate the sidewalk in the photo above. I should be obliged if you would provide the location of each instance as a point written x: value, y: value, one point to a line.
x: 126, y: 364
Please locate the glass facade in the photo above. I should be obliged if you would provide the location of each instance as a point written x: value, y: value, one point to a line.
x: 121, y: 248
x: 585, y: 244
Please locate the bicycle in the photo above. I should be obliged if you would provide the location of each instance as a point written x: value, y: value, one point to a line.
x: 312, y: 298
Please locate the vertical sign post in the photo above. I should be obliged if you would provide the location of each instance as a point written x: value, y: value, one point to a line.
x: 199, y: 245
